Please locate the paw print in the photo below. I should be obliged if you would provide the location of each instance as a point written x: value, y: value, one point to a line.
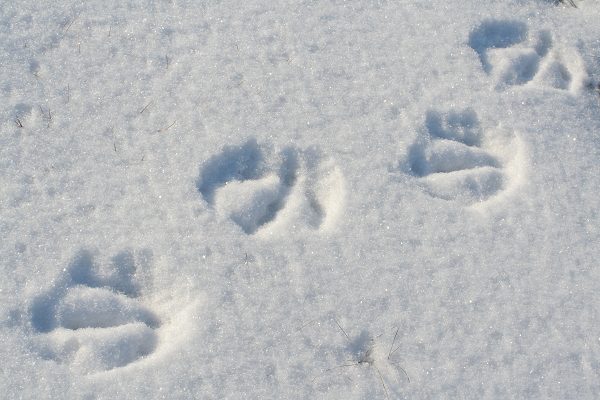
x: 260, y: 191
x: 94, y: 317
x: 514, y: 57
x: 456, y: 159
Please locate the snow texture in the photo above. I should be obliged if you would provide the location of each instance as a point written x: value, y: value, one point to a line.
x: 299, y: 200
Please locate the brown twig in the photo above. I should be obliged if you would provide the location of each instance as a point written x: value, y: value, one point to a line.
x: 167, y: 128
x: 147, y: 105
x: 71, y: 23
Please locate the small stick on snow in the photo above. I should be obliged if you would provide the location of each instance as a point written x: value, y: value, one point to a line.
x: 147, y: 105
x: 401, y: 369
x: 354, y: 364
x: 18, y: 122
x: 364, y: 359
x: 115, y: 146
x: 71, y: 23
x: 393, y: 351
x: 568, y: 2
x: 167, y: 128
x: 342, y: 329
x: 387, y: 395
x: 308, y: 323
x: 167, y: 60
x: 393, y: 342
x: 368, y: 358
x: 49, y: 117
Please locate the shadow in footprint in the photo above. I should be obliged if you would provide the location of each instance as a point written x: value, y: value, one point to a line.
x: 234, y: 163
x: 287, y: 179
x: 461, y: 126
x: 495, y: 34
x: 544, y: 43
x: 43, y: 309
x: 417, y: 159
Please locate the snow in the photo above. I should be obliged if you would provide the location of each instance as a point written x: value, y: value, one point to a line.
x: 291, y: 200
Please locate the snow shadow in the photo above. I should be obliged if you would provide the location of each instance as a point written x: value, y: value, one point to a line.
x: 234, y: 163
x: 494, y: 34
x: 250, y: 222
x: 461, y: 126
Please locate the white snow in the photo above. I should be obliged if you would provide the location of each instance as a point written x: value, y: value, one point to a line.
x: 296, y: 200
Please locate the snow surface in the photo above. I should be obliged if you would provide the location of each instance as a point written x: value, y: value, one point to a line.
x: 299, y: 200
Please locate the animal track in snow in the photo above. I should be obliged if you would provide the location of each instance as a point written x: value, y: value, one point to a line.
x: 513, y: 57
x: 93, y: 318
x: 457, y: 160
x: 257, y: 192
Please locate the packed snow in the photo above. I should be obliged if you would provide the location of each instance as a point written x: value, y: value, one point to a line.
x: 361, y: 199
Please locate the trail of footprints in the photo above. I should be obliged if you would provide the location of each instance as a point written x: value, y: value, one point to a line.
x: 513, y: 56
x: 94, y: 318
x: 259, y: 193
x: 456, y: 158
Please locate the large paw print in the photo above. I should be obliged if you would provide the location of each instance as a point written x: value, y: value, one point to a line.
x: 256, y: 192
x: 513, y: 57
x: 456, y: 160
x: 93, y: 318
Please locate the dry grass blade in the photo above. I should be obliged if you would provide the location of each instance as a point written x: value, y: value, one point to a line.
x: 387, y: 395
x: 342, y: 329
x: 567, y: 2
